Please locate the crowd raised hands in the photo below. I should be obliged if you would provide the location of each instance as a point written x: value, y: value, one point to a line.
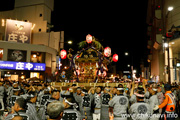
x: 131, y: 100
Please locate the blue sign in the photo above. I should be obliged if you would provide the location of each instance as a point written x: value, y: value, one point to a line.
x: 59, y: 63
x: 63, y: 76
x: 11, y: 65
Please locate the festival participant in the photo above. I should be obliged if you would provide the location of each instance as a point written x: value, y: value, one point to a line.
x: 169, y: 103
x: 17, y: 118
x: 9, y: 91
x: 140, y: 110
x: 118, y: 105
x: 106, y: 96
x: 55, y: 110
x: 19, y: 108
x: 86, y: 104
x: 114, y: 91
x: 31, y: 103
x: 46, y: 96
x: 16, y: 95
x: 153, y: 101
x: 77, y: 95
x: 70, y: 111
x: 97, y: 102
x: 55, y: 95
x: 160, y: 96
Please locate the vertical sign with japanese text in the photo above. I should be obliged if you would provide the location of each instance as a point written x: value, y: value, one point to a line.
x: 18, y: 31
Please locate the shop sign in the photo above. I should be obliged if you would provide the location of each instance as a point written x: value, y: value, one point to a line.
x: 11, y: 65
x: 63, y: 76
x: 16, y: 55
x: 18, y: 31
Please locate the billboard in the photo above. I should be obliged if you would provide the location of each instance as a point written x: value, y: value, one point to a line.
x: 18, y: 31
x: 16, y: 55
x: 11, y: 65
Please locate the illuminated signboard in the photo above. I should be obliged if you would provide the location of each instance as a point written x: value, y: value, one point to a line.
x: 18, y: 31
x: 10, y: 65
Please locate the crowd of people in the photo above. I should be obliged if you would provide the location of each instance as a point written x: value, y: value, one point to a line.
x: 133, y: 100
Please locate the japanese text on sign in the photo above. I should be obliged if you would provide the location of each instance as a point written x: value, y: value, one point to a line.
x: 18, y: 31
x: 22, y: 66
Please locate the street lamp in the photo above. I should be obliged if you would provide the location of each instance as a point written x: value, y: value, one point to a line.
x: 128, y: 65
x: 170, y: 8
x: 166, y: 45
x: 126, y: 53
x: 69, y: 42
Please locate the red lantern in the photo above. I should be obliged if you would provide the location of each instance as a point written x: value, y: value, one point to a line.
x: 63, y: 54
x: 89, y: 38
x: 107, y: 52
x: 115, y: 57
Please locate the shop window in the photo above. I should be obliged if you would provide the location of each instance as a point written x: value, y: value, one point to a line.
x: 37, y: 57
x: 1, y: 54
x: 34, y: 74
x: 15, y: 77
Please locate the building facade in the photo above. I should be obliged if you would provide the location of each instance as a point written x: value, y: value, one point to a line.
x: 163, y: 19
x: 43, y: 45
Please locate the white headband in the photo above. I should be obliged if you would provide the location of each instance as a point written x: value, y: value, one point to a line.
x: 154, y: 89
x: 73, y: 104
x: 70, y: 89
x: 139, y: 95
x: 16, y: 89
x: 84, y: 92
x: 120, y: 88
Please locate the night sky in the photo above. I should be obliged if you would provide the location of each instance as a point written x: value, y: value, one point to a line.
x: 119, y: 25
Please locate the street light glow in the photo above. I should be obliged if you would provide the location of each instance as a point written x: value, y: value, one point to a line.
x: 170, y: 8
x: 126, y: 53
x: 128, y: 65
x: 172, y: 43
x: 166, y: 45
x: 34, y: 56
x: 70, y: 42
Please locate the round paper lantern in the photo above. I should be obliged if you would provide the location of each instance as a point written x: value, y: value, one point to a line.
x: 107, y: 52
x: 63, y: 54
x: 115, y: 57
x: 89, y: 38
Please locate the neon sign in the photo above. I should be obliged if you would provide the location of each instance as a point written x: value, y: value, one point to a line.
x: 11, y: 65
